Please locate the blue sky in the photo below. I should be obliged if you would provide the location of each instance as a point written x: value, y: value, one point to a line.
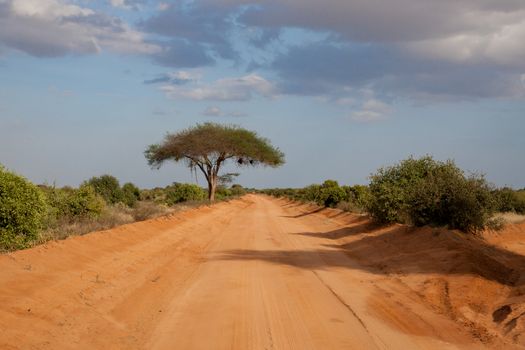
x: 342, y: 87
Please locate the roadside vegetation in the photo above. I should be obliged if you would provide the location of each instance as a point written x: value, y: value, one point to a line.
x: 32, y: 214
x: 419, y: 192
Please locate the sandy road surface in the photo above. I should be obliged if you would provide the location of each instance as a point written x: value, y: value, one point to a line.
x: 254, y: 273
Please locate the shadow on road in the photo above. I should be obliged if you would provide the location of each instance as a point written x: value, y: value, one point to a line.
x: 398, y: 250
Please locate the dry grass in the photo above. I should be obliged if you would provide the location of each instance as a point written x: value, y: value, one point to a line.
x: 111, y: 217
x: 511, y: 218
x: 350, y: 207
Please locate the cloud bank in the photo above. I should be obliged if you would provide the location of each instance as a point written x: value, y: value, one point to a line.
x: 416, y: 49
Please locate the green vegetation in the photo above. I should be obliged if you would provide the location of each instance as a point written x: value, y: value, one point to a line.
x: 357, y: 198
x: 238, y: 190
x: 130, y: 194
x: 22, y: 210
x: 84, y: 202
x: 32, y: 214
x: 328, y: 194
x: 428, y: 192
x: 178, y: 193
x: 417, y: 192
x: 108, y: 187
x: 509, y: 200
x: 209, y: 146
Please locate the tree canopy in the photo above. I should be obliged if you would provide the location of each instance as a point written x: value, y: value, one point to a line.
x: 208, y: 146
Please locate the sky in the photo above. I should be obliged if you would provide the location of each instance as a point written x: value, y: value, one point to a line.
x: 342, y: 87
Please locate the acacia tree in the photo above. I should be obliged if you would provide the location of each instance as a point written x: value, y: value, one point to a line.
x: 208, y: 146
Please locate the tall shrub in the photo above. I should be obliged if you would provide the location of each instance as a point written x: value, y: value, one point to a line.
x: 424, y: 191
x: 130, y: 194
x: 357, y: 197
x: 85, y: 202
x: 108, y: 187
x: 390, y: 188
x: 509, y: 200
x: 330, y: 194
x: 22, y: 210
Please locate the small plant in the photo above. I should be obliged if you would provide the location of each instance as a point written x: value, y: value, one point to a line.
x: 22, y: 210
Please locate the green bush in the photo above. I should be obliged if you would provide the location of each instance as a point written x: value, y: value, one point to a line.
x: 310, y: 193
x: 22, y: 210
x: 108, y: 187
x: 424, y: 191
x: 68, y: 203
x: 179, y: 193
x: 57, y: 199
x: 130, y: 194
x: 357, y: 197
x: 508, y: 200
x: 330, y: 194
x: 390, y: 187
x: 237, y: 190
x: 157, y: 195
x: 84, y: 202
x: 222, y: 193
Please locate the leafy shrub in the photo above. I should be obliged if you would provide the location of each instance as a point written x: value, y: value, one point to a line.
x: 508, y: 200
x: 22, y: 210
x: 330, y: 194
x: 424, y: 191
x: 390, y: 188
x: 157, y: 195
x: 130, y: 194
x: 357, y: 197
x: 310, y: 193
x: 237, y: 190
x: 84, y: 202
x: 57, y: 199
x: 178, y: 193
x: 448, y: 198
x: 222, y: 193
x: 108, y: 187
x: 67, y: 203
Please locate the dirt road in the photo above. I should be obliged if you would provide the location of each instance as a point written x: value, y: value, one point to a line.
x: 254, y: 273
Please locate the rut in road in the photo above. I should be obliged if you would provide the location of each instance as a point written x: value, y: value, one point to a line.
x: 253, y: 273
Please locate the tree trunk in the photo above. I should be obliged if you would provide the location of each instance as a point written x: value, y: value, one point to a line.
x: 212, y: 186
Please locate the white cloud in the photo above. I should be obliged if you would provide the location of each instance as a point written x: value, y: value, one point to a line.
x: 503, y: 46
x: 47, y: 9
x: 120, y: 4
x: 59, y: 27
x: 371, y: 110
x: 227, y: 89
x: 213, y: 111
x: 163, y: 6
